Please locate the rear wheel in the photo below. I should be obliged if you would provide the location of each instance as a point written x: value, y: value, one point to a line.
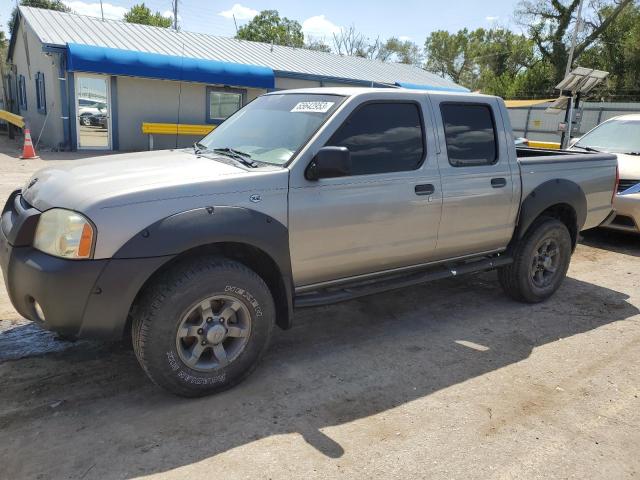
x: 541, y: 261
x: 204, y: 326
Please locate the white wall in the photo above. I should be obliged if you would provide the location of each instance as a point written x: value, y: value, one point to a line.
x: 38, y: 61
x: 161, y: 101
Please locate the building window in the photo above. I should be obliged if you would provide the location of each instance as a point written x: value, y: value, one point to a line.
x: 41, y: 98
x: 22, y: 93
x: 382, y: 138
x: 222, y: 103
x: 470, y: 133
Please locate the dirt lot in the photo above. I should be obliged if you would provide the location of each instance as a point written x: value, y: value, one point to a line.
x: 445, y: 380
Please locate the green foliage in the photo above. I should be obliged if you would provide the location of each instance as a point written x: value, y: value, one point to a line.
x: 269, y: 27
x: 486, y: 60
x: 317, y: 45
x: 48, y: 4
x: 400, y: 51
x: 618, y: 52
x: 142, y: 14
x: 550, y: 24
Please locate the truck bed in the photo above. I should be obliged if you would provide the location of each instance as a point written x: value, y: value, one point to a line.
x: 593, y: 172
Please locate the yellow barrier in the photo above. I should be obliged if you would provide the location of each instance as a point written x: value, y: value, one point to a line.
x: 16, y: 120
x: 152, y: 129
x: 548, y: 145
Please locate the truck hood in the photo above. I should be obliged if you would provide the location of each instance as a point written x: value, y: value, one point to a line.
x: 143, y: 176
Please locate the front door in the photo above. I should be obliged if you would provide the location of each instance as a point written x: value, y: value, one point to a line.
x: 384, y: 215
x: 93, y: 112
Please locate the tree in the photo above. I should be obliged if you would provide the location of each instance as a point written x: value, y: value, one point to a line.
x: 351, y: 43
x: 400, y: 51
x: 317, y: 45
x: 269, y: 27
x: 142, y: 14
x: 550, y: 25
x: 487, y: 60
x: 449, y: 54
x: 47, y: 4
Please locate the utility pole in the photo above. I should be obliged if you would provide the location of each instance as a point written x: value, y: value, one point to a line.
x: 574, y: 38
x: 572, y: 105
x: 175, y: 15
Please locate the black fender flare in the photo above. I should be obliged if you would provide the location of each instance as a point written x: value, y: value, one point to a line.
x: 161, y: 242
x: 184, y: 231
x: 546, y: 195
x: 199, y: 227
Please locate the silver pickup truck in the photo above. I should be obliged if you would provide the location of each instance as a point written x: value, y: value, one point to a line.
x: 301, y: 198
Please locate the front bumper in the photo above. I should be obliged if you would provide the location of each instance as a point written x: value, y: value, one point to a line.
x: 83, y: 298
x: 627, y: 218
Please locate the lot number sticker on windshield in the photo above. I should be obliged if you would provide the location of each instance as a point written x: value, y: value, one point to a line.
x: 313, y: 107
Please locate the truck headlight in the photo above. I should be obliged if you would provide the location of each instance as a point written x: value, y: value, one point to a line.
x: 65, y: 234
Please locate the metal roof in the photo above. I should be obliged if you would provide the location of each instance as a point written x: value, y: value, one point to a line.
x: 60, y: 28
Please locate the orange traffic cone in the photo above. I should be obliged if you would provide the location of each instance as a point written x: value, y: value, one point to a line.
x: 28, y: 152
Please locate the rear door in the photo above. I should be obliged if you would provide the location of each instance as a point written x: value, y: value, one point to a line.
x: 478, y: 190
x: 384, y: 215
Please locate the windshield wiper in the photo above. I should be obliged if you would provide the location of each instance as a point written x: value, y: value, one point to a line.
x: 242, y: 157
x: 588, y: 149
x: 232, y: 150
x: 198, y: 148
x: 632, y: 153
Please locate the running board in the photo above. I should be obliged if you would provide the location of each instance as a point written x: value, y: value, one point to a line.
x: 361, y: 289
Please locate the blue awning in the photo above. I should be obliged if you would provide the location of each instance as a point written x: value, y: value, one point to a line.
x: 113, y: 61
x: 438, y: 88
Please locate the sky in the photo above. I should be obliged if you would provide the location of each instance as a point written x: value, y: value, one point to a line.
x: 410, y: 19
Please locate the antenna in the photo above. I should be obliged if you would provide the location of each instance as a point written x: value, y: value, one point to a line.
x: 101, y: 11
x: 235, y: 23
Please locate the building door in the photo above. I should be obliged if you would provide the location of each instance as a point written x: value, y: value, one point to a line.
x: 93, y: 112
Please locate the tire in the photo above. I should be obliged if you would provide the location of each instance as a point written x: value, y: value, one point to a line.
x: 207, y: 300
x: 85, y: 121
x: 536, y: 273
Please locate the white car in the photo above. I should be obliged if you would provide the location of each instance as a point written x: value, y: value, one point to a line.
x: 620, y: 135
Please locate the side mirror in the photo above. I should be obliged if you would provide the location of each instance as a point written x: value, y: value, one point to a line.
x: 329, y: 162
x: 573, y: 141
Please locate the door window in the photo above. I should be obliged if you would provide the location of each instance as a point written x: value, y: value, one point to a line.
x: 470, y: 134
x: 382, y: 137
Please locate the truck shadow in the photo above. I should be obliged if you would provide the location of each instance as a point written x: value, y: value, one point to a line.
x: 615, y: 241
x: 92, y: 409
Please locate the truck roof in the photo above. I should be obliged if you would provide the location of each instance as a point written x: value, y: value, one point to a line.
x: 354, y: 91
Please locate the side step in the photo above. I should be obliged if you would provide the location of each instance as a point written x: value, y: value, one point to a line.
x: 361, y: 289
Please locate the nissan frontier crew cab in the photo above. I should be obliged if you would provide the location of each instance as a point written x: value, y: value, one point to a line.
x: 301, y: 198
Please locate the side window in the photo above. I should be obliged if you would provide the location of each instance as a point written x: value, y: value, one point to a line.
x: 470, y: 134
x: 382, y: 137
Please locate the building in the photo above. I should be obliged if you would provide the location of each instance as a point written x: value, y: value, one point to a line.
x: 86, y: 83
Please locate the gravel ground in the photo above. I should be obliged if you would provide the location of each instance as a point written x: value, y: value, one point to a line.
x: 445, y: 380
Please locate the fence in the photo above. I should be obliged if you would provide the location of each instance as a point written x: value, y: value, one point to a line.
x: 534, y: 123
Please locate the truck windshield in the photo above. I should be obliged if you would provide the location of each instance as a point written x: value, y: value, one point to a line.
x: 614, y: 136
x: 272, y: 127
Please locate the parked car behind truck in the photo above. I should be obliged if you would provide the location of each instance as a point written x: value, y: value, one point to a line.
x: 301, y: 198
x: 621, y: 136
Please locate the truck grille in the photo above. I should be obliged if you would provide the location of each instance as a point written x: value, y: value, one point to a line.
x: 625, y: 184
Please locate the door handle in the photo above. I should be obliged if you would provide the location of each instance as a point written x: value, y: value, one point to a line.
x: 425, y: 189
x: 498, y: 182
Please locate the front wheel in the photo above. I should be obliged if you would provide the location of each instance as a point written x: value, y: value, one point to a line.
x: 540, y: 264
x: 203, y: 326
